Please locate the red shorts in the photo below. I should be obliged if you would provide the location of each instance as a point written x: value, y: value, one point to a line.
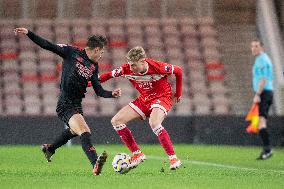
x: 144, y: 109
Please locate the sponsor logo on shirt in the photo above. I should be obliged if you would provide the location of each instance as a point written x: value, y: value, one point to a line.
x: 145, y: 85
x: 84, y: 71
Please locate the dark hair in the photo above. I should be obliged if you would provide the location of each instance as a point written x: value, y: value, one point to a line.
x: 258, y: 40
x: 96, y: 41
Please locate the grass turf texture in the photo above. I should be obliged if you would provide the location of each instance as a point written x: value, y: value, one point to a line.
x: 204, y: 167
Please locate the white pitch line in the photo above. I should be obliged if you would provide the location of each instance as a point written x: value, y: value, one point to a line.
x: 218, y: 165
x: 213, y: 164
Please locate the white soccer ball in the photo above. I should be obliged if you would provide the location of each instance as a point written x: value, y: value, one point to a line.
x: 121, y: 163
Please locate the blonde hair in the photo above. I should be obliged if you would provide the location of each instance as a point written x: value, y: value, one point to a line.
x: 136, y: 54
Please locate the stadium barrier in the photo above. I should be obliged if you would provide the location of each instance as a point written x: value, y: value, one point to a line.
x: 227, y: 130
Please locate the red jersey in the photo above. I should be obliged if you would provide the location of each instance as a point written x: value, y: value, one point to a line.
x: 153, y: 83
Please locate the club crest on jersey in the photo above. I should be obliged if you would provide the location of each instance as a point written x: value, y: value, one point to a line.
x: 168, y: 68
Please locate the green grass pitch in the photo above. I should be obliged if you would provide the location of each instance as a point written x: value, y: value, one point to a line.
x: 203, y: 167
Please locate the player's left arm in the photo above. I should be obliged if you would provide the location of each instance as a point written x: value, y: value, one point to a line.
x: 102, y: 78
x: 108, y: 75
x: 100, y: 91
x: 119, y: 71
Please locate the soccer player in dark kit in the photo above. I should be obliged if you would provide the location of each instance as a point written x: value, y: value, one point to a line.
x: 79, y: 67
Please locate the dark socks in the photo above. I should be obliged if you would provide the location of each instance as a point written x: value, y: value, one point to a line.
x: 88, y: 148
x: 61, y: 140
x: 265, y: 139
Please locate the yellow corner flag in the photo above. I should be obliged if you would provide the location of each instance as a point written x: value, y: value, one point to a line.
x: 253, y: 117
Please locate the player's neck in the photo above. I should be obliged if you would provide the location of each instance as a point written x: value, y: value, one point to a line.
x: 145, y: 70
x: 89, y: 55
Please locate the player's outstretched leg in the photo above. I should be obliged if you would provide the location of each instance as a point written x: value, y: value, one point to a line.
x: 125, y: 115
x: 49, y: 149
x: 90, y: 151
x: 137, y: 158
x: 128, y: 139
x: 175, y: 163
x: 78, y: 124
x: 46, y: 151
x: 100, y: 163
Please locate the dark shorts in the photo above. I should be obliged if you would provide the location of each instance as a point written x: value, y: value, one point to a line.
x: 65, y: 110
x: 266, y: 98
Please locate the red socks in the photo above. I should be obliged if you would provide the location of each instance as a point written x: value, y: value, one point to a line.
x: 164, y: 139
x: 126, y: 137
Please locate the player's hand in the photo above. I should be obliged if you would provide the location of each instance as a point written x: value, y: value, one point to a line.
x: 256, y: 99
x: 21, y: 30
x: 116, y: 93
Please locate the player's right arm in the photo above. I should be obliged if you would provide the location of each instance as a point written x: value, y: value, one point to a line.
x: 43, y: 43
x: 114, y: 73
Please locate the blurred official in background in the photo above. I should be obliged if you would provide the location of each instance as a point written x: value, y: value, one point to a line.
x: 262, y: 79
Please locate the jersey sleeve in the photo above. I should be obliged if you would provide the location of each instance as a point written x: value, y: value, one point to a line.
x: 165, y: 68
x: 264, y: 69
x: 59, y: 49
x: 169, y: 69
x: 99, y: 90
x: 117, y: 72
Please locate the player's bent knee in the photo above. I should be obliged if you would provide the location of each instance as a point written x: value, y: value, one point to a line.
x: 113, y: 120
x: 85, y: 131
x: 116, y: 120
x: 72, y: 132
x: 82, y: 129
x: 154, y: 123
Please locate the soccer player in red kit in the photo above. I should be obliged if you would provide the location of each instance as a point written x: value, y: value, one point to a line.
x: 150, y: 78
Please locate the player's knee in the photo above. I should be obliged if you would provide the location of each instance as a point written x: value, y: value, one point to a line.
x: 79, y: 129
x: 116, y: 120
x: 83, y: 130
x: 154, y: 122
x: 72, y: 132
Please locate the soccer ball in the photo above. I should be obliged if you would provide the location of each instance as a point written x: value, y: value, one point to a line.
x: 121, y: 163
